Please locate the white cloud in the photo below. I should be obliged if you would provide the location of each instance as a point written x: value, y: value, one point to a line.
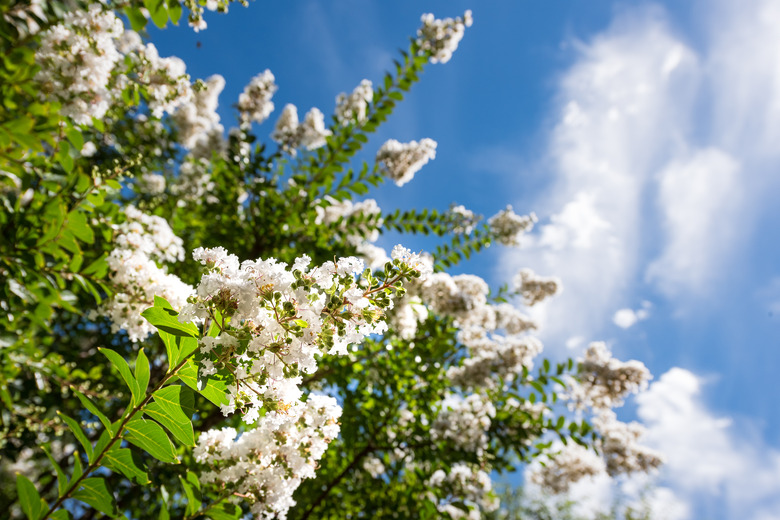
x: 699, y: 199
x: 719, y: 471
x: 622, y: 105
x: 627, y: 318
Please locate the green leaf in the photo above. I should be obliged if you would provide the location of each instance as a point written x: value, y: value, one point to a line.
x: 77, y: 224
x: 158, y: 12
x: 94, y: 492
x: 89, y: 405
x: 174, y: 11
x: 191, y: 488
x: 224, y: 512
x: 150, y: 437
x: 77, y: 470
x: 173, y: 407
x: 124, y: 370
x: 165, y: 318
x: 62, y: 479
x: 213, y: 388
x: 75, y: 138
x: 29, y: 499
x: 61, y: 514
x: 78, y: 432
x: 124, y: 461
x: 142, y: 372
x: 137, y: 19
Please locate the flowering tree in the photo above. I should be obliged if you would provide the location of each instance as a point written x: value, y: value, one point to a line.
x: 196, y: 325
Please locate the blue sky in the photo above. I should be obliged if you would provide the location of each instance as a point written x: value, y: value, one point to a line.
x: 643, y: 134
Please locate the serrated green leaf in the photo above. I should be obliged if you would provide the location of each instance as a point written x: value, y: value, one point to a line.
x: 78, y: 432
x: 89, y: 405
x: 150, y: 437
x: 29, y: 498
x: 142, y: 372
x: 173, y: 407
x: 126, y: 462
x: 124, y: 370
x: 95, y: 492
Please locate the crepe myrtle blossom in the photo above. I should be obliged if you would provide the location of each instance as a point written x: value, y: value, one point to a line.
x: 254, y: 103
x: 352, y: 108
x: 290, y: 134
x: 603, y: 381
x: 141, y: 242
x: 619, y: 445
x: 441, y: 37
x: 507, y: 226
x: 464, y: 421
x: 400, y: 161
x: 534, y: 288
x: 570, y: 464
x: 76, y: 60
x: 266, y: 464
x: 274, y: 320
x: 467, y: 485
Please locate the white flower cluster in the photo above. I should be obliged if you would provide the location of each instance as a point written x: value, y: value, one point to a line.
x: 534, y: 288
x: 165, y: 80
x: 290, y: 134
x: 400, y: 161
x: 265, y: 465
x: 373, y: 466
x: 352, y: 108
x: 605, y: 381
x: 463, y: 220
x: 571, y: 464
x: 619, y: 445
x: 494, y: 357
x: 507, y: 226
x: 464, y: 421
x: 194, y: 183
x: 254, y: 103
x: 151, y: 183
x: 77, y: 58
x: 441, y: 37
x: 280, y: 319
x: 195, y: 18
x: 142, y: 241
x: 465, y: 484
x: 366, y: 211
x: 198, y: 117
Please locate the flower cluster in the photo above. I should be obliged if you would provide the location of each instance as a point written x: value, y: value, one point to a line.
x: 534, y: 288
x: 365, y: 216
x: 165, y: 80
x: 290, y: 134
x: 274, y: 319
x: 400, y: 161
x: 571, y: 464
x: 142, y: 241
x: 194, y: 183
x: 254, y: 103
x: 462, y: 219
x: 464, y: 421
x: 266, y: 464
x: 466, y: 485
x: 507, y: 226
x: 352, y: 108
x: 196, y: 119
x: 619, y: 445
x: 605, y: 381
x: 77, y: 58
x: 441, y: 37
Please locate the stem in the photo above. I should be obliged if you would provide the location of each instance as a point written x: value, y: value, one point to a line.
x: 117, y: 436
x: 333, y: 483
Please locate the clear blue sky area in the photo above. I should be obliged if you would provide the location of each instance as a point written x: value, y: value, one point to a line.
x: 653, y: 123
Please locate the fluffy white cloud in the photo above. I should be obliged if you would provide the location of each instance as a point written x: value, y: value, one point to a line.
x: 719, y: 471
x: 627, y: 318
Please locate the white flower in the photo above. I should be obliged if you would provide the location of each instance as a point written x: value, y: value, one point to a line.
x: 441, y: 37
x: 254, y: 104
x: 351, y: 108
x: 400, y: 161
x: 535, y: 288
x: 507, y: 226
